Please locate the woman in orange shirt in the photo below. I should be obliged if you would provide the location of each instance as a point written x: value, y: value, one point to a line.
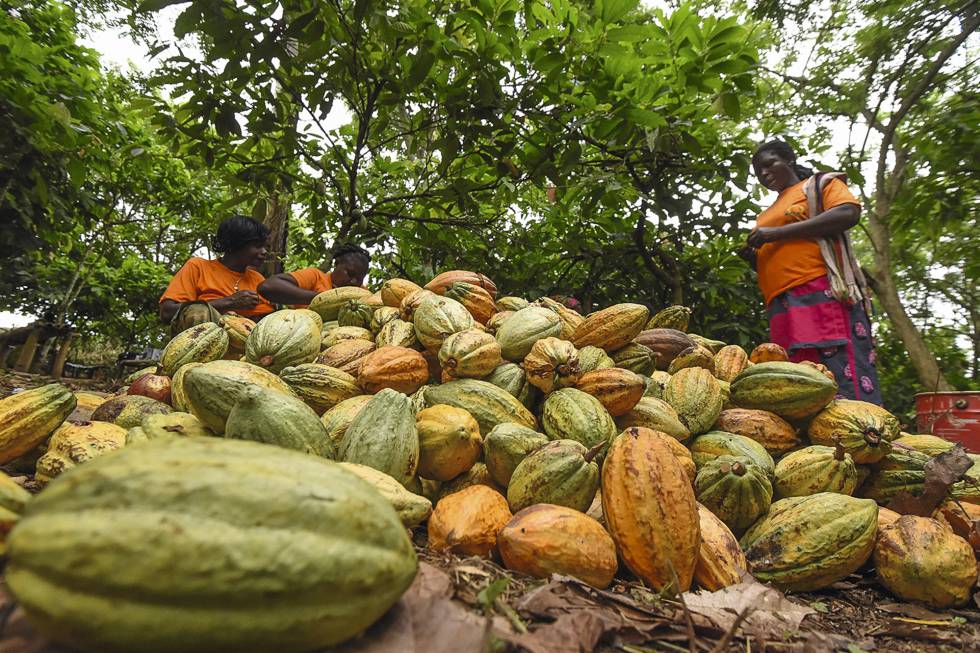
x: 204, y: 289
x: 805, y: 317
x: 297, y: 289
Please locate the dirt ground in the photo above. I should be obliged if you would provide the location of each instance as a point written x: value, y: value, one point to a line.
x: 471, y: 604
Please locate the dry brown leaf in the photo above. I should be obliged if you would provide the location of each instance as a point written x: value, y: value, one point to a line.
x: 941, y: 472
x: 425, y: 620
x: 771, y: 611
x: 583, y: 617
x: 911, y: 610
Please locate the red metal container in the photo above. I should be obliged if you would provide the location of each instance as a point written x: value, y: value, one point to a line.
x: 951, y: 415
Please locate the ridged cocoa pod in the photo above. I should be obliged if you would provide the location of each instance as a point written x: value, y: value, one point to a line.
x: 649, y: 507
x: 322, y: 387
x: 570, y: 320
x: 696, y: 396
x: 393, y: 291
x: 562, y: 472
x: 919, y: 559
x: 729, y: 362
x: 338, y: 334
x: 437, y: 318
x: 672, y: 317
x: 469, y: 354
x: 611, y: 328
x: 511, y: 303
x: 338, y: 419
x: 593, y: 358
x: 475, y: 299
x: 635, y: 358
x: 398, y: 368
x: 546, y: 539
x: 863, y: 429
x: 815, y: 469
x: 410, y: 303
x: 770, y: 430
x: 496, y: 320
x: 506, y: 446
x: 654, y: 414
x: 618, y: 390
x: 790, y: 390
x: 665, y: 344
x: 449, y: 442
x: 467, y: 522
x: 475, y: 475
x: 807, y: 543
x: 696, y: 356
x: 720, y: 559
x: 397, y: 333
x: 442, y: 281
x: 552, y: 364
x: 768, y: 352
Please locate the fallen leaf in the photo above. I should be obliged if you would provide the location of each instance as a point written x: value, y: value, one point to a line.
x: 927, y: 622
x: 424, y: 620
x: 910, y: 610
x: 583, y: 616
x: 941, y: 472
x: 771, y: 611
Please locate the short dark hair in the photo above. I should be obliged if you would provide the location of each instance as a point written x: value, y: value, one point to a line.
x: 238, y: 231
x: 783, y: 150
x: 350, y: 251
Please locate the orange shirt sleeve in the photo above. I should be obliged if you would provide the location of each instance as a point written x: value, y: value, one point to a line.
x: 836, y: 193
x: 185, y: 285
x: 312, y: 279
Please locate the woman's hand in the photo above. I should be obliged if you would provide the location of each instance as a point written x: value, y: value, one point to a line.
x: 244, y: 299
x: 762, y: 235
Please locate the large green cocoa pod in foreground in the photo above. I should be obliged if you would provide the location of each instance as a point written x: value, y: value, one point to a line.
x: 199, y: 344
x: 736, y: 490
x: 487, y: 403
x: 562, y: 472
x: 284, y: 338
x: 506, y: 446
x: 271, y: 417
x: 790, y: 390
x: 524, y: 328
x: 570, y: 414
x: 713, y: 444
x: 806, y: 543
x: 696, y: 396
x: 815, y: 469
x: 213, y: 389
x: 383, y: 436
x: 219, y: 546
x: 29, y: 417
x: 864, y: 430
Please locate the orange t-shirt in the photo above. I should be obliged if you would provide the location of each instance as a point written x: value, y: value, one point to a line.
x: 313, y: 279
x: 204, y: 280
x: 786, y: 264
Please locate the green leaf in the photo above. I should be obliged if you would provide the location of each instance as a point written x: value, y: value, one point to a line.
x: 645, y: 117
x: 492, y: 591
x: 613, y: 10
x: 157, y: 5
x: 420, y: 68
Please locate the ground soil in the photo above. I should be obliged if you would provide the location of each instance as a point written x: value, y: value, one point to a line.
x: 509, y: 611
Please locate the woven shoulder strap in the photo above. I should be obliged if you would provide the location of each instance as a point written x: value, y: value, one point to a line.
x: 847, y: 282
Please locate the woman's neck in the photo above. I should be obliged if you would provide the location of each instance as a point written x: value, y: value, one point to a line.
x: 233, y: 263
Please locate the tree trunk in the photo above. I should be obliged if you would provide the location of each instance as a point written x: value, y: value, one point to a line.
x: 277, y: 220
x: 923, y: 360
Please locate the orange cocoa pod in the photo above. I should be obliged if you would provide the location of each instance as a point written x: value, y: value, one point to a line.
x: 398, y: 368
x: 393, y: 291
x: 618, y: 390
x: 768, y: 429
x: 467, y: 522
x: 650, y: 511
x: 768, y: 352
x: 545, y: 539
x: 444, y: 280
x: 720, y: 559
x: 347, y: 355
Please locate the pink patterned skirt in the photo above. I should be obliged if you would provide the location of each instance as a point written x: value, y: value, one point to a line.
x: 811, y: 325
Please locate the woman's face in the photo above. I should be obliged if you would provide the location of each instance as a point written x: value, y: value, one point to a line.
x: 773, y: 171
x: 254, y: 253
x: 348, y: 272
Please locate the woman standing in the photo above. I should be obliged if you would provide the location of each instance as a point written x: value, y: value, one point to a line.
x: 204, y: 289
x: 812, y: 286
